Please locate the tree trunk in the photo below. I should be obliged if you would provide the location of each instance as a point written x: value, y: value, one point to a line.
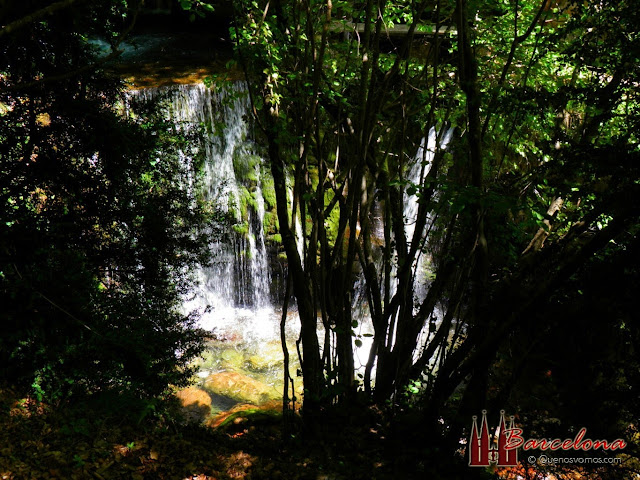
x: 302, y: 288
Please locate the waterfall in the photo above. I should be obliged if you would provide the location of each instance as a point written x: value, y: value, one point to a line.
x: 419, y: 169
x: 422, y: 163
x: 234, y: 297
x: 234, y: 289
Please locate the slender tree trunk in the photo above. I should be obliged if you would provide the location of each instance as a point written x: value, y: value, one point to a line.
x: 302, y: 288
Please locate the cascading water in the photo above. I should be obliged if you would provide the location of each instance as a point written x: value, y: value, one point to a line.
x: 233, y: 297
x: 419, y: 169
x: 234, y: 289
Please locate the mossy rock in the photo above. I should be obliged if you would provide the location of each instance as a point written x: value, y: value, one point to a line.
x: 231, y: 359
x: 244, y: 165
x: 246, y: 199
x: 332, y: 222
x: 248, y: 414
x: 268, y: 356
x: 270, y: 224
x: 241, y: 228
x: 268, y: 190
x: 275, y: 238
x: 240, y: 388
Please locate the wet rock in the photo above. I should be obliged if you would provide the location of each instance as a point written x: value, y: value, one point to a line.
x: 240, y: 388
x: 196, y: 404
x: 241, y: 413
x: 231, y: 359
x: 267, y: 357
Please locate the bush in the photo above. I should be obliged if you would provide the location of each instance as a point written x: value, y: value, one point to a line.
x: 98, y: 227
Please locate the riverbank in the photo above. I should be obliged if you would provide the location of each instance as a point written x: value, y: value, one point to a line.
x: 86, y: 441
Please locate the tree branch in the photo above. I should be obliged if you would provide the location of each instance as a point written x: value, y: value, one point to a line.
x: 92, y: 66
x: 543, y: 232
x: 17, y: 24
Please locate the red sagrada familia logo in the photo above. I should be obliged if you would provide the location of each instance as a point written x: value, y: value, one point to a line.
x: 485, y: 449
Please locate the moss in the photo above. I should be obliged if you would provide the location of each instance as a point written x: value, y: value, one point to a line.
x: 246, y: 199
x: 268, y: 190
x: 242, y: 203
x: 245, y: 165
x: 331, y: 222
x: 233, y: 208
x: 251, y: 199
x: 268, y: 413
x: 313, y: 176
x: 241, y: 228
x: 275, y: 238
x: 270, y: 223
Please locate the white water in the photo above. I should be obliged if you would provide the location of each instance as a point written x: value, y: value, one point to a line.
x: 422, y: 163
x: 233, y: 294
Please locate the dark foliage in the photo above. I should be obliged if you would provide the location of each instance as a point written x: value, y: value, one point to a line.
x: 98, y: 223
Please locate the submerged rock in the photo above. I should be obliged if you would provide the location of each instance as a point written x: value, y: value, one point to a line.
x: 215, y: 359
x: 268, y: 356
x: 240, y: 388
x: 231, y: 359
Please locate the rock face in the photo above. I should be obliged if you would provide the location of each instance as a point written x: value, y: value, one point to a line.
x: 196, y: 404
x: 240, y: 388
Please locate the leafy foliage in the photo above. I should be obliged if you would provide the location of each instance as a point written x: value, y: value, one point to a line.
x: 98, y: 224
x: 537, y: 183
